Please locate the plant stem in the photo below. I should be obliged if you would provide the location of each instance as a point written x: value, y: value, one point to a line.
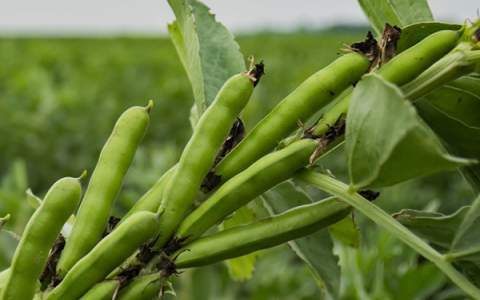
x: 450, y: 67
x: 381, y: 218
x: 451, y: 256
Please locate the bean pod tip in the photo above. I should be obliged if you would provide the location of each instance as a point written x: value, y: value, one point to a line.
x: 149, y: 106
x: 83, y: 175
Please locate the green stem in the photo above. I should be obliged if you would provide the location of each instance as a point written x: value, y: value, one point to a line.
x: 450, y: 67
x: 381, y: 218
x: 451, y: 256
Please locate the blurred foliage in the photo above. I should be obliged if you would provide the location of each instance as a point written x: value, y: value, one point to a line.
x: 59, y: 99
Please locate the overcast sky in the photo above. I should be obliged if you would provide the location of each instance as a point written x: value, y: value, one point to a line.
x: 151, y: 16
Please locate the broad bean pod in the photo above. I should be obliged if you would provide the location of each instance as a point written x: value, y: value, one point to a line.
x: 106, y: 256
x: 199, y: 154
x: 102, y: 291
x: 241, y: 189
x: 144, y: 287
x: 241, y: 240
x: 314, y: 93
x: 43, y: 228
x: 400, y: 69
x: 113, y: 163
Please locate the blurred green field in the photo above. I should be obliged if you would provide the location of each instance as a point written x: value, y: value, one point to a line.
x: 59, y: 99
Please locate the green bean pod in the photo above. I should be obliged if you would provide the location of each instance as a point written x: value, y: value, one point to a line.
x: 151, y: 200
x: 200, y: 152
x: 241, y: 189
x: 102, y: 291
x: 145, y: 287
x: 105, y: 183
x: 400, y: 69
x: 38, y: 238
x: 241, y: 240
x: 106, y: 256
x: 314, y: 93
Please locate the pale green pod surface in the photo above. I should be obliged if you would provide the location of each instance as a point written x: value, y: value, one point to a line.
x: 416, y: 59
x: 151, y: 200
x: 400, y: 70
x: 264, y: 174
x: 241, y: 240
x: 38, y: 238
x: 109, y: 253
x: 102, y: 291
x: 313, y: 94
x: 199, y: 154
x: 105, y: 183
x: 145, y: 287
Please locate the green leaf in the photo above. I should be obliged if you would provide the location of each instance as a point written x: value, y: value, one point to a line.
x: 395, y: 12
x: 316, y: 250
x: 460, y: 137
x: 386, y: 141
x: 207, y: 50
x: 346, y: 232
x: 414, y: 33
x: 467, y: 238
x: 420, y: 282
x: 458, y: 103
x: 241, y: 268
x: 437, y: 228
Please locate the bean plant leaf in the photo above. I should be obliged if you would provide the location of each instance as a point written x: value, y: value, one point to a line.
x: 395, y: 12
x: 241, y: 268
x: 452, y: 112
x: 207, y: 50
x: 386, y: 141
x: 467, y: 238
x: 346, y: 232
x: 316, y: 250
x: 414, y: 33
x: 437, y: 228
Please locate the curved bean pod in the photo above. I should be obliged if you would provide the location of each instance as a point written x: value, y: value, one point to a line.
x: 241, y: 240
x: 102, y: 291
x: 106, y: 256
x: 145, y: 287
x: 241, y: 189
x: 38, y: 238
x: 200, y: 152
x: 400, y: 69
x: 314, y: 93
x: 115, y: 158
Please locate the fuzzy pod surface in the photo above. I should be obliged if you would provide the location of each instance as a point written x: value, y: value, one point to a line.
x: 199, y: 154
x: 265, y: 173
x: 241, y: 240
x: 105, y: 183
x: 109, y: 253
x: 102, y: 291
x: 38, y: 238
x: 144, y: 287
x: 313, y: 94
x: 400, y: 69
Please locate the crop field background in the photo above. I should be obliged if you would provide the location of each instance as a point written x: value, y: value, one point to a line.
x: 59, y: 99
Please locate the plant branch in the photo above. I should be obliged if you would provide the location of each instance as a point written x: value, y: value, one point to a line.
x: 384, y: 220
x: 450, y: 67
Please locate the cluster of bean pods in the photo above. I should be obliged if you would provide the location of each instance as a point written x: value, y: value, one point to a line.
x: 149, y: 243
